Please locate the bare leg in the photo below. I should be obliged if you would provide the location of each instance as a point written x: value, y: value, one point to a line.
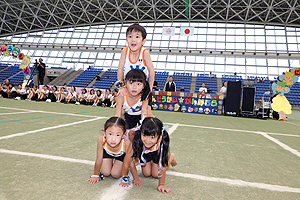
x: 282, y: 116
x: 116, y: 171
x: 106, y: 166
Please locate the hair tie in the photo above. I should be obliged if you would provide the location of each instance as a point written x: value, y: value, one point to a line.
x: 164, y: 128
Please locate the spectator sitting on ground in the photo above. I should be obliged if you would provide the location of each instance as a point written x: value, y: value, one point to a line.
x: 43, y: 94
x: 33, y: 93
x: 203, y: 90
x: 71, y: 97
x: 62, y: 94
x: 11, y: 91
x: 82, y: 97
x: 107, y: 97
x: 22, y: 94
x: 53, y: 94
x: 3, y: 89
x: 98, y: 98
x: 113, y: 98
x: 90, y: 98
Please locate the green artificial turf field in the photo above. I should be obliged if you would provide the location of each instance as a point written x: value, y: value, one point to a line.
x: 47, y: 151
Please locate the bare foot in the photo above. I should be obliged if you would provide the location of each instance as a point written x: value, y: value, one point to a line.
x: 173, y: 160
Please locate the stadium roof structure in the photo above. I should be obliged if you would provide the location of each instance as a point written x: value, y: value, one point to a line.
x: 35, y: 15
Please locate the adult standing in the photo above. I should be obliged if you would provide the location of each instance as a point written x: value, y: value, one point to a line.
x: 223, y: 89
x: 203, y: 89
x: 170, y: 86
x: 41, y: 68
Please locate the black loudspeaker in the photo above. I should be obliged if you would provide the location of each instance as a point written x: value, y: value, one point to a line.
x: 233, y: 97
x: 248, y: 100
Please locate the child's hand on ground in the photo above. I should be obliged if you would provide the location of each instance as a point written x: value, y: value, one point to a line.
x: 93, y: 180
x: 124, y: 184
x: 163, y: 189
x: 138, y: 183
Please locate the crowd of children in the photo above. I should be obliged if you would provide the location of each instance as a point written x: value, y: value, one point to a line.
x: 59, y: 94
x: 134, y: 136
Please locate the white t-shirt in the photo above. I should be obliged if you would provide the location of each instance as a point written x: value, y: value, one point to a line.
x: 202, y: 90
x: 44, y: 91
x: 223, y: 90
x: 91, y: 96
x: 83, y: 95
x: 23, y: 90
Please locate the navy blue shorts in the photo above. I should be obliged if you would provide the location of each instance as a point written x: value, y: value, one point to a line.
x: 106, y: 155
x: 152, y: 156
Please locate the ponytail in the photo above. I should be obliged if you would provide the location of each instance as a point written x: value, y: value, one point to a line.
x: 146, y: 93
x: 164, y: 148
x: 137, y: 145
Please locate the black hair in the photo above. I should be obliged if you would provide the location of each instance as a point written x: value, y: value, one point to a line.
x: 91, y: 91
x: 55, y: 87
x: 138, y: 28
x: 137, y: 75
x: 99, y: 91
x: 152, y: 126
x: 115, y: 121
x: 84, y: 90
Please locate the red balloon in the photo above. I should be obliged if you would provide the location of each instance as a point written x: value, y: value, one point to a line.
x: 21, y: 56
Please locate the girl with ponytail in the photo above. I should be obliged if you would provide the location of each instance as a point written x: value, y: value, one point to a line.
x: 133, y: 104
x: 151, y: 148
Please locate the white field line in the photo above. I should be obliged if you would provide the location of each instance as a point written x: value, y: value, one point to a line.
x: 240, y: 183
x: 173, y: 128
x: 115, y: 191
x: 227, y: 181
x: 15, y: 113
x: 59, y: 158
x: 265, y: 134
x: 41, y: 111
x: 48, y: 128
x: 284, y: 146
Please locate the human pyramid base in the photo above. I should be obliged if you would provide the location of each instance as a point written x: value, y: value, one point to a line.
x: 134, y: 136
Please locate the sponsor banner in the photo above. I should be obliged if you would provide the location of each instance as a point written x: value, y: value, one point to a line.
x: 200, y: 104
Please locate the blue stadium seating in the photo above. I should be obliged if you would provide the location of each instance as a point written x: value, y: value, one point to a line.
x: 182, y: 79
x: 161, y: 78
x: 85, y: 77
x: 3, y: 65
x: 18, y: 79
x: 9, y: 72
x: 211, y: 83
x: 106, y: 80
